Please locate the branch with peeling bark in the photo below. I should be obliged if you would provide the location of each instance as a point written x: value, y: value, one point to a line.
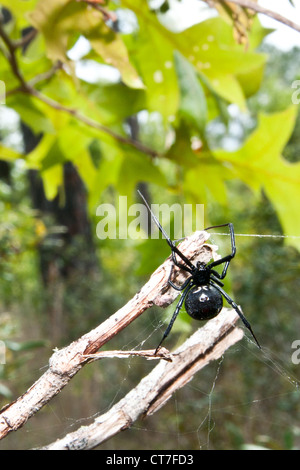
x: 207, y: 344
x: 250, y: 5
x: 67, y: 362
x: 29, y: 87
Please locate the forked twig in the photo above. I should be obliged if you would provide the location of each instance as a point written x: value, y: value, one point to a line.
x: 264, y: 11
x: 65, y: 363
x: 149, y: 354
x: 207, y: 344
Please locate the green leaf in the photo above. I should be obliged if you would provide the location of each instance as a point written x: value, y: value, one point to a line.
x: 9, y: 154
x: 258, y: 33
x: 19, y: 8
x: 217, y: 56
x: 109, y: 168
x: 251, y: 79
x: 209, y: 46
x: 73, y: 141
x: 87, y: 170
x: 259, y: 163
x: 48, y: 158
x: 35, y: 157
x: 181, y: 151
x: 207, y: 182
x: 192, y: 98
x: 111, y: 104
x: 62, y: 21
x: 137, y: 167
x: 154, y: 59
x: 53, y: 179
x: 111, y: 48
x: 30, y: 113
x: 53, y: 157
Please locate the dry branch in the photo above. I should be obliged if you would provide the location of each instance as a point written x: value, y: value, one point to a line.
x: 28, y: 87
x: 207, y: 344
x: 149, y: 354
x: 65, y: 363
x: 264, y: 11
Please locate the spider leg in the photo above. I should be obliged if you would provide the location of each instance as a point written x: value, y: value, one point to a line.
x: 183, y: 286
x: 169, y: 241
x: 180, y: 265
x: 228, y: 258
x: 176, y: 312
x: 237, y: 309
x: 215, y: 277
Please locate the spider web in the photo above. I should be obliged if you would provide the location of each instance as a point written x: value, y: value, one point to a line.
x: 248, y: 398
x: 201, y: 420
x: 255, y: 407
x: 197, y: 417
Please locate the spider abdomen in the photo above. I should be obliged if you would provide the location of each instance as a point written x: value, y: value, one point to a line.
x: 203, y: 302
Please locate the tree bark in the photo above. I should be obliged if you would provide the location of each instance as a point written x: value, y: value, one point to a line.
x: 65, y: 363
x: 207, y: 344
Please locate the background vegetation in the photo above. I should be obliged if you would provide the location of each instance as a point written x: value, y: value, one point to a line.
x: 103, y: 98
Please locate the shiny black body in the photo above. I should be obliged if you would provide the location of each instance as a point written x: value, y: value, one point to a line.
x: 202, y: 291
x: 203, y: 302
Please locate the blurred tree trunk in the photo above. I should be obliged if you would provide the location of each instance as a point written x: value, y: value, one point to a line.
x: 133, y: 124
x: 5, y: 171
x: 67, y: 254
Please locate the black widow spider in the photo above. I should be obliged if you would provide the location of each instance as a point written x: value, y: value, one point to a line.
x: 202, y: 290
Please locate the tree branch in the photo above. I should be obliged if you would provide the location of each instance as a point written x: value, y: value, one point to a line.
x: 25, y: 39
x: 107, y: 15
x: 207, y: 344
x: 65, y: 363
x: 91, y: 123
x: 264, y: 11
x: 11, y: 57
x: 162, y: 353
x: 28, y: 88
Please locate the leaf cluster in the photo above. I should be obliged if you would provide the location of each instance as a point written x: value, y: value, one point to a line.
x: 185, y: 81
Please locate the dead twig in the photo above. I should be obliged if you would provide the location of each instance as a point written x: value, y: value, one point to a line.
x: 107, y: 14
x: 207, y: 344
x: 149, y: 354
x: 28, y: 87
x: 264, y: 11
x: 65, y: 363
